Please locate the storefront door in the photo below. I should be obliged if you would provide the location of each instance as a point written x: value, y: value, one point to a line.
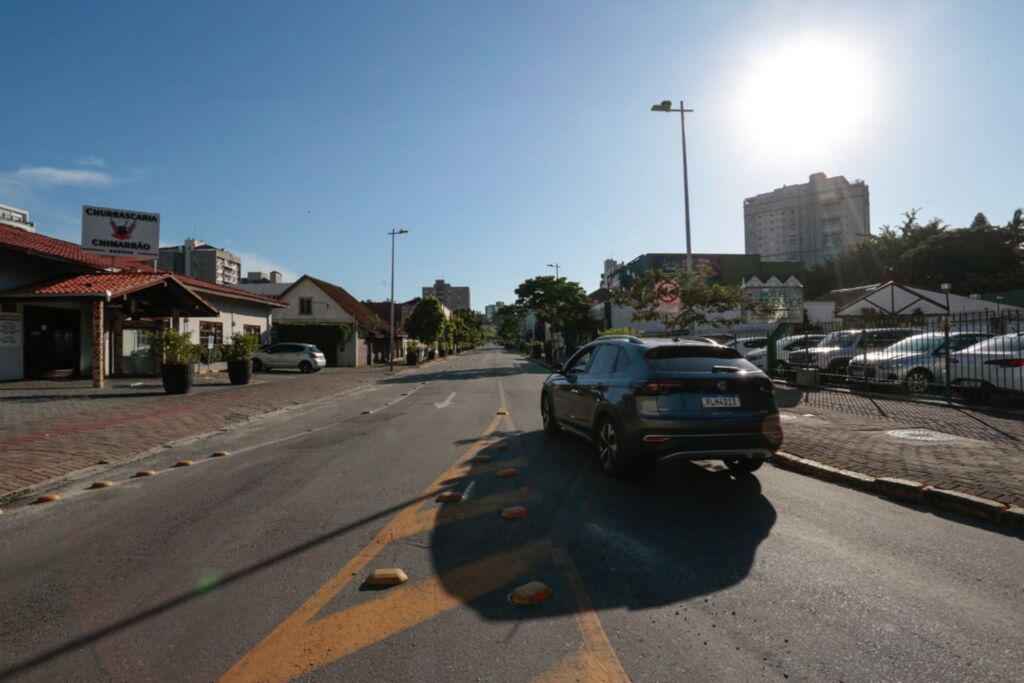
x: 51, y: 342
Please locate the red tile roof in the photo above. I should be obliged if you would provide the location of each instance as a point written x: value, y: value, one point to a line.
x: 41, y: 245
x: 347, y: 302
x: 97, y: 283
x: 228, y: 290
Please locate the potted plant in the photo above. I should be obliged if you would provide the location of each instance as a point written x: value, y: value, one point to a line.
x: 239, y: 356
x: 412, y: 356
x: 176, y: 353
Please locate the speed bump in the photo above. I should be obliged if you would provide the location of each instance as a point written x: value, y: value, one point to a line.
x: 48, y: 498
x: 482, y: 458
x: 105, y: 484
x: 530, y: 593
x: 144, y: 473
x: 387, y: 577
x: 508, y: 472
x: 184, y: 463
x: 219, y: 454
x: 449, y: 497
x: 514, y: 512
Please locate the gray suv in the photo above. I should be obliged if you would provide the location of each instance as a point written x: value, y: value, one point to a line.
x: 647, y: 399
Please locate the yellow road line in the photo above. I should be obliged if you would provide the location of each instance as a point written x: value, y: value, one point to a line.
x: 265, y: 661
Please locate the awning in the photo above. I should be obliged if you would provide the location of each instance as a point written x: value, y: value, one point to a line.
x: 140, y: 295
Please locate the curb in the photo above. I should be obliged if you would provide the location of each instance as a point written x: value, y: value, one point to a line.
x: 1010, y: 516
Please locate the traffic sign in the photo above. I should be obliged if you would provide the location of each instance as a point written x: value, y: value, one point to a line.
x: 667, y: 292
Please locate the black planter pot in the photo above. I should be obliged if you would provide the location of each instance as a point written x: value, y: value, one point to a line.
x: 177, y: 379
x: 431, y: 354
x: 240, y: 371
x: 412, y: 358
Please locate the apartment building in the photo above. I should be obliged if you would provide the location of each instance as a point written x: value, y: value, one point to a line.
x: 203, y: 261
x: 811, y: 223
x: 454, y: 298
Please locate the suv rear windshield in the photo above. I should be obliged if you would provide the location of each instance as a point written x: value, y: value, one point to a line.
x: 688, y: 358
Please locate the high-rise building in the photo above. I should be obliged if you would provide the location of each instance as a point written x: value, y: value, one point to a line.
x: 811, y: 223
x: 492, y: 310
x: 203, y: 261
x: 455, y: 298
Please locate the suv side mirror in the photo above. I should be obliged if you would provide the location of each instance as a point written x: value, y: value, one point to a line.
x: 556, y: 369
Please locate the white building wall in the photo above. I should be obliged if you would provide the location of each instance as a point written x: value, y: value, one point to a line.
x: 325, y: 309
x: 235, y: 314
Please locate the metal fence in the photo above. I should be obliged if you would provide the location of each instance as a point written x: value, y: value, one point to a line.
x: 967, y: 357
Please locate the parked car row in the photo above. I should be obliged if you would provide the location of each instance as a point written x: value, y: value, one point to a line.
x: 907, y: 358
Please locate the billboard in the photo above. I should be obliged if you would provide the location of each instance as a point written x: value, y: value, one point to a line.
x: 120, y: 232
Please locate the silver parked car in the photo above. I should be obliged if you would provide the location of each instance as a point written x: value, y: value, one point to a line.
x: 917, y: 363
x: 837, y: 349
x: 995, y: 365
x: 783, y: 348
x: 302, y: 357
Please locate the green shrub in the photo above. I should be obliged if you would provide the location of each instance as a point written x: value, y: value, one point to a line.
x: 173, y: 347
x: 241, y: 347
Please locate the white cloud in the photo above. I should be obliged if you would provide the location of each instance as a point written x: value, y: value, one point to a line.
x: 48, y: 176
x: 96, y: 162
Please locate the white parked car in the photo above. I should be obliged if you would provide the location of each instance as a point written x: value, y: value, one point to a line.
x: 302, y: 357
x: 783, y: 347
x: 995, y: 365
x: 918, y: 362
x: 746, y: 345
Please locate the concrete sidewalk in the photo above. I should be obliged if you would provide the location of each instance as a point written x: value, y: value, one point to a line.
x: 949, y: 447
x: 51, y: 429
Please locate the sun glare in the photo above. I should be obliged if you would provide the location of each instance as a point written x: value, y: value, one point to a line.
x: 806, y: 97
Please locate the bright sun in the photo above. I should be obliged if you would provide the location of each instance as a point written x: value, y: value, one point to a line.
x: 808, y: 97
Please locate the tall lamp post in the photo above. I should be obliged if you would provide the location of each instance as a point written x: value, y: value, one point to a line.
x: 391, y: 330
x: 666, y: 106
x: 556, y: 266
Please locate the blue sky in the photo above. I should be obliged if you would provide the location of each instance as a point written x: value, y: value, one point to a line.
x: 503, y: 135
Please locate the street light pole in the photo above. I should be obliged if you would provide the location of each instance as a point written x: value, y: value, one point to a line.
x: 556, y: 266
x: 949, y: 380
x: 666, y: 106
x: 391, y: 330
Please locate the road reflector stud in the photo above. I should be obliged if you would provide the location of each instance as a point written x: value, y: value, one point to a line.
x: 219, y: 454
x: 48, y: 498
x: 530, y: 594
x: 184, y: 463
x: 508, y: 472
x: 449, y: 497
x: 387, y: 577
x: 502, y: 412
x: 482, y: 458
x: 366, y: 412
x: 1, y: 511
x: 144, y: 473
x: 102, y: 462
x: 514, y: 512
x: 501, y: 446
x: 105, y: 484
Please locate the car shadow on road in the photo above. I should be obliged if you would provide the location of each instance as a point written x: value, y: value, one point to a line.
x: 666, y: 535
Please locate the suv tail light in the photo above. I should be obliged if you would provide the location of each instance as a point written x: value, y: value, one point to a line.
x: 660, y: 386
x: 1007, y: 362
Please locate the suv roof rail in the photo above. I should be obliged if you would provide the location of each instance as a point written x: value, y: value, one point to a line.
x: 626, y: 337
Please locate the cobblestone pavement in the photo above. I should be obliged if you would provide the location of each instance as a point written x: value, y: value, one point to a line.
x: 962, y: 449
x: 50, y: 429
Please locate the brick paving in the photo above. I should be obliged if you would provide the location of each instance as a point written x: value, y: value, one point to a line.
x: 51, y: 429
x: 983, y: 453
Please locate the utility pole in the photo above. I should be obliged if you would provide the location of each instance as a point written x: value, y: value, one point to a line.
x: 666, y: 106
x: 391, y: 330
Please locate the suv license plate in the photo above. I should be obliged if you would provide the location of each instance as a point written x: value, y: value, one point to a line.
x: 723, y: 401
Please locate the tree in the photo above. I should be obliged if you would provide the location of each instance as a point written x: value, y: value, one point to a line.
x: 700, y: 302
x: 559, y: 303
x: 510, y: 322
x: 426, y: 320
x: 469, y: 332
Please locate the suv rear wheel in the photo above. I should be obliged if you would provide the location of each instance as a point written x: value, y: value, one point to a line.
x: 306, y: 366
x: 610, y: 449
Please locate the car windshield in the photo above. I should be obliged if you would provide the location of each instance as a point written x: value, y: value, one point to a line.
x: 838, y: 339
x: 1008, y: 343
x: 314, y: 349
x: 919, y: 343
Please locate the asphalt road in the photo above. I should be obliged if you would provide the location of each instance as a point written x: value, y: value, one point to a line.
x: 252, y: 567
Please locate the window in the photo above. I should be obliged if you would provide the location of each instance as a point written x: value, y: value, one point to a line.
x: 251, y: 329
x: 305, y: 305
x: 622, y: 362
x: 604, y: 360
x: 208, y: 329
x: 580, y: 362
